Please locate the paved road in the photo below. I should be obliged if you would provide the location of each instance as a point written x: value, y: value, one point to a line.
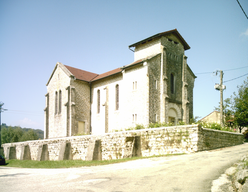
x: 193, y: 172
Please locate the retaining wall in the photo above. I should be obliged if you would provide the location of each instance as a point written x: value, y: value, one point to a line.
x: 145, y: 142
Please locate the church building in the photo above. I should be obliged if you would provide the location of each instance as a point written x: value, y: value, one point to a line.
x: 156, y: 87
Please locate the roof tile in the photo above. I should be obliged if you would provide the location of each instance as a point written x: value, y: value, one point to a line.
x: 81, y: 74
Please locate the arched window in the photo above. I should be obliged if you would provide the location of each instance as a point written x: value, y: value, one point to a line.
x: 172, y: 83
x: 56, y: 102
x: 98, y: 101
x: 60, y: 101
x: 117, y: 97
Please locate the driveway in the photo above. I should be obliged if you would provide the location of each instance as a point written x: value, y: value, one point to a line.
x: 192, y: 172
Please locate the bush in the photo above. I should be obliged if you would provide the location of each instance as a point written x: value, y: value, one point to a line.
x: 246, y: 135
x: 139, y: 126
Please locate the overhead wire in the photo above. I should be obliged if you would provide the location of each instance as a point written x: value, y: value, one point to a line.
x: 226, y: 71
x: 202, y: 73
x: 24, y: 112
x: 235, y: 78
x: 242, y: 9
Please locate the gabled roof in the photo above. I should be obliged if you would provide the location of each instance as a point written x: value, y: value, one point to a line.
x: 107, y: 74
x: 81, y: 74
x: 58, y: 64
x: 209, y: 115
x: 174, y: 32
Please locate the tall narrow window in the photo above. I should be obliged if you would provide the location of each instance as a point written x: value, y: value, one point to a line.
x: 98, y: 101
x: 135, y: 85
x: 60, y: 101
x: 117, y: 97
x: 56, y: 102
x: 172, y: 83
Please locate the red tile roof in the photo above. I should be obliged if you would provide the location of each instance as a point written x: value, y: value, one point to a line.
x: 107, y: 74
x: 81, y: 74
x: 134, y: 63
x: 90, y: 77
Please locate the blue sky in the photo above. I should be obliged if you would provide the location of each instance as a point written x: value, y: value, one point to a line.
x: 95, y: 35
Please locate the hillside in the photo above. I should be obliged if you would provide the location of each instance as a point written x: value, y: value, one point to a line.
x: 40, y: 133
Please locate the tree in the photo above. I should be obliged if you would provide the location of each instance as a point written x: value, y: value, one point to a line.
x: 17, y: 134
x: 7, y: 134
x: 227, y: 110
x: 30, y: 135
x: 241, y: 106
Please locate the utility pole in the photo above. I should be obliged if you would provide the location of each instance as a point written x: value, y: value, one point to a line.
x: 220, y: 87
x: 1, y: 110
x: 221, y: 98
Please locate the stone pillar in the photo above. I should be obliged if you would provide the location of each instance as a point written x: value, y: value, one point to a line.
x: 73, y: 112
x: 162, y: 87
x: 25, y: 153
x: 94, y: 150
x: 106, y: 109
x: 184, y: 89
x: 137, y: 147
x: 65, y: 151
x: 10, y: 153
x: 46, y: 130
x: 68, y: 111
x: 43, y: 153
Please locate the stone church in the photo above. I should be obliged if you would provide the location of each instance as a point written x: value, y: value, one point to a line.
x: 156, y: 87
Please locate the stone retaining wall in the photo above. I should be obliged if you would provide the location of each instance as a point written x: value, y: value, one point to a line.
x: 144, y: 142
x: 213, y: 139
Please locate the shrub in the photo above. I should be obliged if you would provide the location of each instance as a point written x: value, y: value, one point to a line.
x: 139, y: 126
x: 246, y: 135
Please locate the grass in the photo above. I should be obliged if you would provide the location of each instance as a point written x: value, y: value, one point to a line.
x: 69, y: 163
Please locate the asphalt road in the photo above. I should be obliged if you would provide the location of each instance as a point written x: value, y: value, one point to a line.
x: 192, y: 172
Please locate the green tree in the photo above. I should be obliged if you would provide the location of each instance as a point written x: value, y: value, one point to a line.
x: 17, y: 134
x: 29, y: 135
x: 241, y: 106
x: 228, y: 111
x: 7, y: 134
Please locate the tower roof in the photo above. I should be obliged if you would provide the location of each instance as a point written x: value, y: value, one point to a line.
x: 174, y: 32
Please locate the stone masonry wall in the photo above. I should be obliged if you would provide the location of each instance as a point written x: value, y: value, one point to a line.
x: 213, y: 139
x: 145, y: 142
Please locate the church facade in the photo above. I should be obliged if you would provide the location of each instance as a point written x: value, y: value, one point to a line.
x: 156, y: 87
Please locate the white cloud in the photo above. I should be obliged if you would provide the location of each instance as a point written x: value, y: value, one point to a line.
x: 28, y: 123
x: 245, y: 33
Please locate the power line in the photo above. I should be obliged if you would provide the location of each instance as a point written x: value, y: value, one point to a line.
x: 24, y: 112
x: 242, y: 9
x: 202, y: 73
x: 235, y: 68
x: 236, y: 78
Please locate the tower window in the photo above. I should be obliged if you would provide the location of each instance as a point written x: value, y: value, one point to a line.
x: 135, y: 85
x: 172, y: 83
x: 56, y: 102
x: 60, y: 101
x: 98, y: 101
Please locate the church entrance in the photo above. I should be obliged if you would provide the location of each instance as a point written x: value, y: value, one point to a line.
x: 172, y: 120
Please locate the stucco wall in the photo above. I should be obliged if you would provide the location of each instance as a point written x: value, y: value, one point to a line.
x: 107, y: 104
x: 147, y: 49
x: 136, y: 96
x: 156, y: 141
